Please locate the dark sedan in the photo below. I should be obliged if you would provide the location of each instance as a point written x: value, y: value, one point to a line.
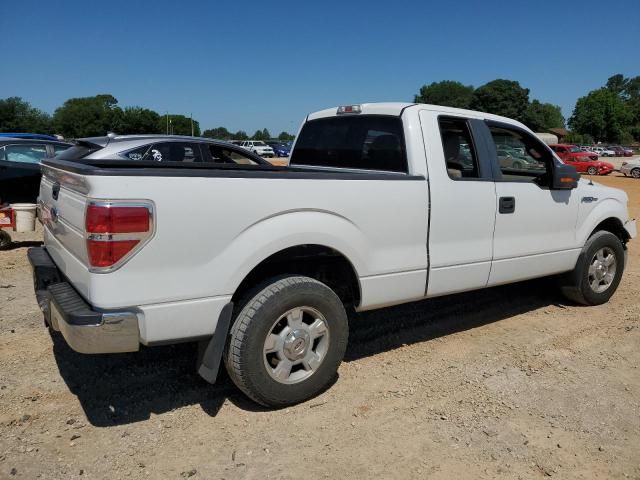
x: 20, y: 167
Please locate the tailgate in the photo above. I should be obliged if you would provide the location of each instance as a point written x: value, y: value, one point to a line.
x: 61, y: 203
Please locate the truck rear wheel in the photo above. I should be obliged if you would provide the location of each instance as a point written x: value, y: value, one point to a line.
x: 287, y: 342
x: 598, y: 271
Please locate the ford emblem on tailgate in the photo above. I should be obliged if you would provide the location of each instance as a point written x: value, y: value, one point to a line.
x: 55, y: 190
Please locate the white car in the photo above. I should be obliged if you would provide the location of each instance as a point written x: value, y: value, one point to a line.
x: 383, y: 203
x: 605, y: 152
x: 631, y: 168
x: 259, y: 147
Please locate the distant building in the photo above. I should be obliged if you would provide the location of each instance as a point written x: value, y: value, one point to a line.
x: 547, y: 138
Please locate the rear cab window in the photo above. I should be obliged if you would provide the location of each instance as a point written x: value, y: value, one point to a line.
x: 363, y: 142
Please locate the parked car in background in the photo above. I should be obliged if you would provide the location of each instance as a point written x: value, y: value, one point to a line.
x: 31, y: 136
x: 20, y: 166
x: 259, y: 147
x: 607, y: 152
x: 585, y: 162
x: 631, y: 168
x: 279, y: 149
x: 161, y: 148
x: 574, y: 152
x: 620, y: 151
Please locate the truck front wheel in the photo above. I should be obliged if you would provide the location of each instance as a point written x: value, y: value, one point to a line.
x: 287, y: 342
x: 598, y: 271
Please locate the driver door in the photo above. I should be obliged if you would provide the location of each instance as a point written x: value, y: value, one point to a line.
x: 535, y: 226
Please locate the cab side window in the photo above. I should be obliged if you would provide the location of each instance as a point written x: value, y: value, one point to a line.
x: 521, y: 156
x: 459, y: 152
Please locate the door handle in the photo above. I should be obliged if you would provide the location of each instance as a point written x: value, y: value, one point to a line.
x: 507, y: 205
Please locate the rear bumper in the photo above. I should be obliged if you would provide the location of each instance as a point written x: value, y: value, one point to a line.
x: 85, y: 329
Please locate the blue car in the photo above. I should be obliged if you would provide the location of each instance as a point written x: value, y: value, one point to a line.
x: 280, y: 149
x: 20, y: 166
x: 29, y: 136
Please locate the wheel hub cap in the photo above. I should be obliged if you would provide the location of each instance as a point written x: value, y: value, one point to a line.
x: 602, y: 270
x: 295, y: 344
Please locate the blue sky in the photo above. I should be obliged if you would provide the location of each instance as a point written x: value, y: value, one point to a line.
x: 249, y: 65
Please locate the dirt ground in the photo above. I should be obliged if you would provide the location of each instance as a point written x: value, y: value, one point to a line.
x: 511, y: 382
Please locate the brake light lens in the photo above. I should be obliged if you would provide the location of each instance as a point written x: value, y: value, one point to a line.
x: 349, y: 109
x: 116, y: 219
x: 115, y: 231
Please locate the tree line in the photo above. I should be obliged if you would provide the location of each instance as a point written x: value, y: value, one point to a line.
x: 608, y: 114
x: 100, y: 114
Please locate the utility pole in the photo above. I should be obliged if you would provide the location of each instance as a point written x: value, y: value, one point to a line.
x: 167, y: 122
x: 192, y: 124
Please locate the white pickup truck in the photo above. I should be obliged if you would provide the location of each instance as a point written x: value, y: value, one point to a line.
x: 382, y: 204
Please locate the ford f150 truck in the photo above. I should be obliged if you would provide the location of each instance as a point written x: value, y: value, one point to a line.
x: 382, y: 204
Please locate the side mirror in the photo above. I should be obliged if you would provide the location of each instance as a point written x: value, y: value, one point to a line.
x: 565, y: 177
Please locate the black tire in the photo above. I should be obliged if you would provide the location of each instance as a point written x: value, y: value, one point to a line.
x: 635, y: 173
x: 592, y: 171
x: 517, y: 165
x: 245, y: 355
x: 5, y: 240
x: 576, y: 285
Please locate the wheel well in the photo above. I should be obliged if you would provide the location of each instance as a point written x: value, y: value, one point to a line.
x: 316, y: 261
x: 613, y: 225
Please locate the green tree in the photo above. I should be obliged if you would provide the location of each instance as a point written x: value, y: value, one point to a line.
x: 179, y: 125
x: 138, y: 120
x: 240, y: 135
x: 540, y: 117
x: 447, y: 93
x: 617, y: 84
x: 601, y: 114
x: 88, y: 116
x: 285, y: 136
x: 219, y: 133
x: 17, y: 115
x: 502, y: 97
x: 266, y: 135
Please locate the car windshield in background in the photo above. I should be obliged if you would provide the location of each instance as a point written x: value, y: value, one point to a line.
x: 575, y: 149
x: 260, y: 144
x: 368, y: 142
x: 25, y: 153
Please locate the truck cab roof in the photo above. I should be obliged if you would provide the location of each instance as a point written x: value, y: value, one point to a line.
x: 398, y: 108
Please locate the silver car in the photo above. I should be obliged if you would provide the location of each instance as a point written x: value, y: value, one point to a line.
x: 632, y: 167
x: 160, y: 148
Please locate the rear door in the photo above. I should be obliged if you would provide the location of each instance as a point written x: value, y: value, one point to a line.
x: 462, y: 204
x: 535, y: 226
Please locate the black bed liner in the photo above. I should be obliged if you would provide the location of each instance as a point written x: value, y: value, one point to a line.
x: 136, y: 168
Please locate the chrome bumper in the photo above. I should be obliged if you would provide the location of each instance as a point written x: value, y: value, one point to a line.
x: 85, y: 329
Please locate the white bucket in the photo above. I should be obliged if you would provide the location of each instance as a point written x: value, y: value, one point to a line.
x: 25, y: 214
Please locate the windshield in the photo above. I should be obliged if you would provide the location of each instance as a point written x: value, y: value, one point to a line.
x: 574, y: 149
x: 260, y: 144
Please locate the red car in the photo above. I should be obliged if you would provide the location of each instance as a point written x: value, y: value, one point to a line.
x: 584, y: 162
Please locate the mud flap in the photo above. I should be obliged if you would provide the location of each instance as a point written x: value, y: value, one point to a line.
x: 211, y: 355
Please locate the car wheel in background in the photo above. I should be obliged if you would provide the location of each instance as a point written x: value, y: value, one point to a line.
x: 592, y: 171
x: 5, y: 240
x: 287, y: 342
x: 635, y: 173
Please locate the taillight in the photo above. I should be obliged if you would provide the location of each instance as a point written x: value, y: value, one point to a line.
x: 115, y: 231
